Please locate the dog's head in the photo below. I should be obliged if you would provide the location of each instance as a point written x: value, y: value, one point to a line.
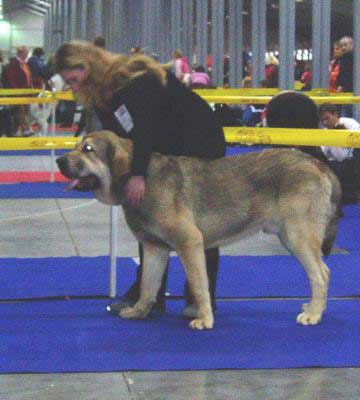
x: 99, y: 163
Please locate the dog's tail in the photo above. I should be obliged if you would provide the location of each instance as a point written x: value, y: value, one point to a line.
x: 336, y: 214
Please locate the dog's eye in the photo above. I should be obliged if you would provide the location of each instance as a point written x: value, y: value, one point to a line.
x: 87, y: 148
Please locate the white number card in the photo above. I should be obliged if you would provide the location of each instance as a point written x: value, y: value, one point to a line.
x: 123, y: 116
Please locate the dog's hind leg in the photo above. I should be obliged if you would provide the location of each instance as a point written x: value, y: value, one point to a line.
x: 304, y: 241
x: 155, y: 261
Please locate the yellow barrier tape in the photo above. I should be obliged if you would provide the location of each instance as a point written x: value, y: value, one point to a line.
x: 263, y: 92
x: 243, y: 135
x: 225, y: 96
x: 25, y: 100
x: 266, y: 99
x: 64, y: 96
x: 38, y: 143
x: 237, y: 92
x: 294, y: 137
x: 16, y: 92
x: 237, y: 99
x: 208, y: 98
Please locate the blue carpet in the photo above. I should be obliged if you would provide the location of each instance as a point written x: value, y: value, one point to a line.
x: 348, y: 236
x: 80, y: 336
x: 232, y: 150
x: 239, y: 277
x: 6, y: 153
x: 352, y: 210
x: 40, y: 190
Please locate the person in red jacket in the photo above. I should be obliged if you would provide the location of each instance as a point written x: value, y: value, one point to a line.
x: 18, y: 76
x: 334, y: 68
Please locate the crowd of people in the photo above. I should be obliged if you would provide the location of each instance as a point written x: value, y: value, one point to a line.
x: 23, y: 71
x: 27, y: 70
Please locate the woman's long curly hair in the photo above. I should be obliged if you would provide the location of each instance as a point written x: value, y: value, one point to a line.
x: 106, y: 72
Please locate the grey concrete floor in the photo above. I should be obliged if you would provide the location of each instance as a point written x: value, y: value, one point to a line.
x: 64, y: 227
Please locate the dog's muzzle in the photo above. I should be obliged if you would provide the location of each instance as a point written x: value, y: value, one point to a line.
x: 63, y: 164
x: 82, y: 183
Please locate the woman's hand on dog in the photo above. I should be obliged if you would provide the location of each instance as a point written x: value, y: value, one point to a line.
x: 135, y: 190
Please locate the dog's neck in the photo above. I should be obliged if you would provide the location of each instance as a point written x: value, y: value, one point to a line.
x: 118, y: 188
x: 112, y: 193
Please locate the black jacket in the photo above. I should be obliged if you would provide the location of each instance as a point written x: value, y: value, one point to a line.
x: 169, y: 119
x: 345, y: 78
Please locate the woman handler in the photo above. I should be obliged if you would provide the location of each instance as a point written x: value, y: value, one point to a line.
x: 137, y: 98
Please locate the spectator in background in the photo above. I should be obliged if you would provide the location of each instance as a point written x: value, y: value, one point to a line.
x: 306, y: 78
x: 135, y: 50
x: 2, y: 64
x: 344, y: 161
x: 345, y: 78
x: 6, y: 126
x: 37, y: 68
x: 290, y: 109
x: 18, y: 76
x: 271, y: 71
x: 247, y: 80
x: 181, y: 67
x: 334, y: 68
x: 99, y: 41
x: 199, y: 79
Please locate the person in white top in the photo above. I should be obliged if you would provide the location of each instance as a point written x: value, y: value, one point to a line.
x: 343, y: 160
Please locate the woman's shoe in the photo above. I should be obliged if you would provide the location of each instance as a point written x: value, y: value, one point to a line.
x: 116, y: 306
x: 190, y: 311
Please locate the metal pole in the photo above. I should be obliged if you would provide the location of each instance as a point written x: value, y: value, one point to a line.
x: 287, y: 44
x: 201, y: 31
x: 114, y: 214
x: 235, y: 42
x: 175, y: 24
x: 52, y: 153
x: 356, y: 74
x: 321, y: 11
x: 258, y: 39
x: 217, y: 42
x: 187, y: 29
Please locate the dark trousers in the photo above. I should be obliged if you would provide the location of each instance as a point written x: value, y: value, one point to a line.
x: 348, y: 172
x: 212, y: 265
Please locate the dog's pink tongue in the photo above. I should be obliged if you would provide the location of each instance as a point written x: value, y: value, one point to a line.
x: 72, y: 184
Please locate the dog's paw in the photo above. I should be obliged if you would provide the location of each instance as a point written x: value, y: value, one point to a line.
x: 308, y: 318
x: 136, y: 312
x: 202, y: 323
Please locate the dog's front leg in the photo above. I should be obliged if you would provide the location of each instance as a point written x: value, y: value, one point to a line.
x: 193, y: 259
x: 155, y: 261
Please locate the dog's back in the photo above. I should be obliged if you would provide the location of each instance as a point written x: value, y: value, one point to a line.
x: 236, y: 196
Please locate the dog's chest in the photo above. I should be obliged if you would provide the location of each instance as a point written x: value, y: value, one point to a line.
x: 141, y: 226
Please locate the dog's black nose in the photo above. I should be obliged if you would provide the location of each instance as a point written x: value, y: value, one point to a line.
x: 62, y: 163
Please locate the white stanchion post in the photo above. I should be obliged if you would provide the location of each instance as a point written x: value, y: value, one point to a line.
x: 114, y: 213
x: 52, y: 156
x: 43, y: 124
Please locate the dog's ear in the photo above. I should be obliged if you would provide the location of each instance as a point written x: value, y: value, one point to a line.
x: 121, y: 158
